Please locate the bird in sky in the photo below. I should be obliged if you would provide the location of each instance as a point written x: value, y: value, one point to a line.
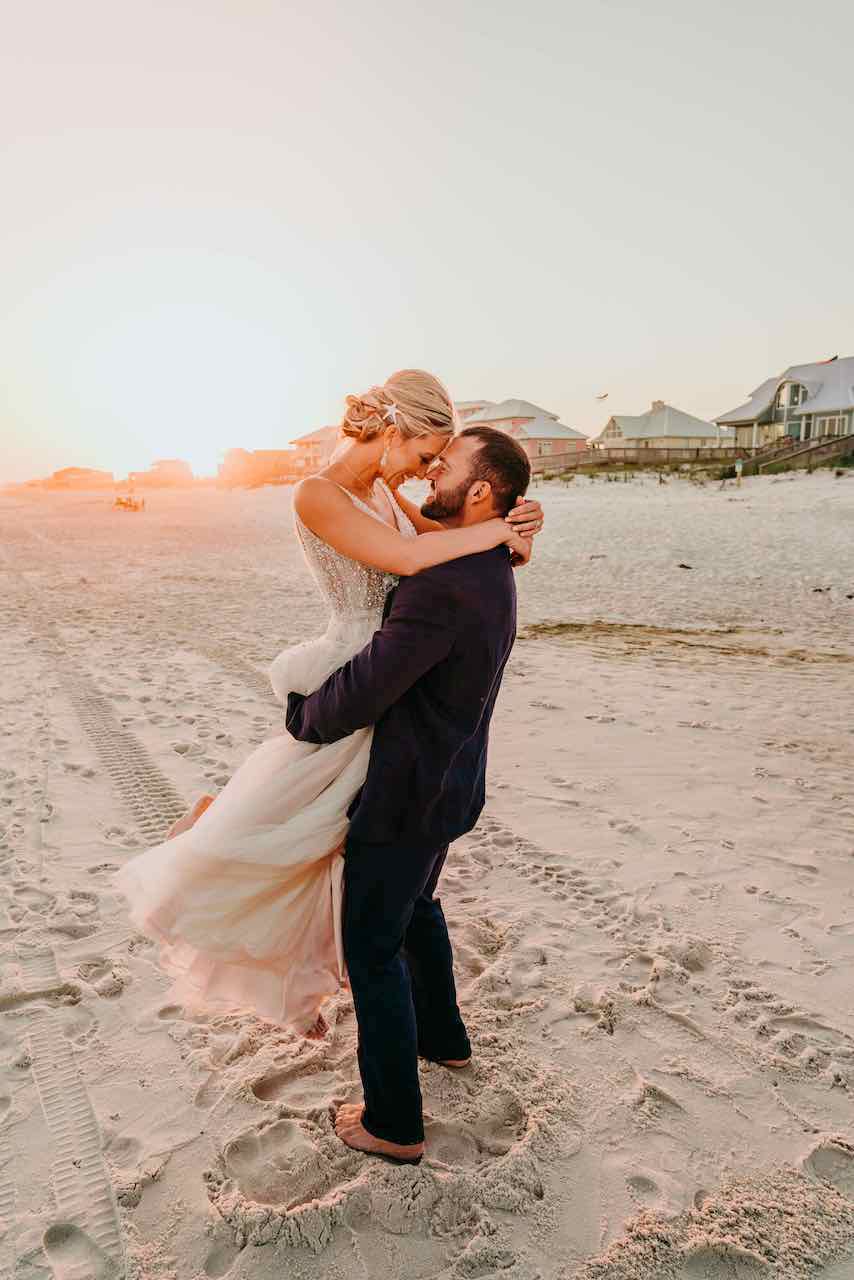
x: 603, y: 397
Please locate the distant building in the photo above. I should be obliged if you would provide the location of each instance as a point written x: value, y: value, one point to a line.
x: 537, y: 430
x: 806, y: 401
x: 169, y: 473
x: 541, y: 437
x: 509, y: 413
x: 242, y: 467
x: 315, y: 449
x: 78, y: 478
x: 663, y: 427
x: 465, y: 408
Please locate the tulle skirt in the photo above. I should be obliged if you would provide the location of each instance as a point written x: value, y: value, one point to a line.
x: 247, y: 903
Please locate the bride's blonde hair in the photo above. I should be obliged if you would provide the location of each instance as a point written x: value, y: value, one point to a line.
x: 413, y: 401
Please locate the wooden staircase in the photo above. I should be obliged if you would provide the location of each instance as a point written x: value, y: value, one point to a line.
x: 772, y: 452
x: 803, y: 453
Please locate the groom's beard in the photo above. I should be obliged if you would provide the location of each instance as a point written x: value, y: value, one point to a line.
x: 444, y: 506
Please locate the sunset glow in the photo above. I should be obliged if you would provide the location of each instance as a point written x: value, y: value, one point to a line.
x: 219, y: 220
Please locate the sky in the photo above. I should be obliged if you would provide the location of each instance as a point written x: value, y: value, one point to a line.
x: 218, y: 217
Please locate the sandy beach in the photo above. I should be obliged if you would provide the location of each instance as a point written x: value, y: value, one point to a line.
x: 653, y: 922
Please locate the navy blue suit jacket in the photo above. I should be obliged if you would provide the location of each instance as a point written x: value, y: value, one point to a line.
x: 428, y: 681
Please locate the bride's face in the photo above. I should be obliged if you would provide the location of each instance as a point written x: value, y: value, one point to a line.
x: 407, y: 458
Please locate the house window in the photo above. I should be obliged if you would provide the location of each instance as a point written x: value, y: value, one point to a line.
x: 797, y: 394
x: 831, y: 426
x: 545, y: 447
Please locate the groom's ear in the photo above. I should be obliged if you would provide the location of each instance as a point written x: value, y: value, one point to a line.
x: 480, y: 491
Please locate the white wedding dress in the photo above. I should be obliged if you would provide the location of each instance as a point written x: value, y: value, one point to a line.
x: 247, y: 903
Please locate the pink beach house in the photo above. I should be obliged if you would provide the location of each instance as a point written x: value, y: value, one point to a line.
x: 538, y: 430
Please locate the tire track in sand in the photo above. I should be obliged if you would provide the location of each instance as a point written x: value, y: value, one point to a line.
x: 87, y: 1234
x: 7, y: 1196
x: 146, y: 791
x: 222, y: 656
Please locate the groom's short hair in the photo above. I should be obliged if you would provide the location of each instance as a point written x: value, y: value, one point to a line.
x: 501, y: 461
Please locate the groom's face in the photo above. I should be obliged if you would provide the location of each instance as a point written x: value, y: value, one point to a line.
x: 451, y: 476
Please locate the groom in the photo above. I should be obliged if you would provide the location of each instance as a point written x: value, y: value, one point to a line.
x: 428, y: 681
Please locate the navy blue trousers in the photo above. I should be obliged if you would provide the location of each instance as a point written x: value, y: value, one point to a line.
x: 400, y: 967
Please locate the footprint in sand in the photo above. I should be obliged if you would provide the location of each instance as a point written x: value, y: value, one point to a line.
x: 833, y: 1161
x: 303, y: 1094
x: 486, y: 1257
x: 804, y: 1040
x: 645, y: 1190
x: 501, y: 1121
x: 221, y: 1259
x: 73, y: 1255
x: 724, y: 1262
x: 171, y: 1013
x: 35, y: 900
x: 654, y: 1101
x: 78, y: 1024
x: 102, y: 868
x: 277, y: 1165
x: 104, y: 975
x: 76, y: 917
x: 84, y: 903
x: 452, y: 1143
x: 468, y: 963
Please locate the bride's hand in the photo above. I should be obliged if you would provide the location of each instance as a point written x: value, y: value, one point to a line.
x: 520, y: 548
x: 191, y: 817
x: 527, y: 516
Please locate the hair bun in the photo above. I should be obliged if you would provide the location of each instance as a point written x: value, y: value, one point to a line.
x: 365, y: 414
x: 419, y: 402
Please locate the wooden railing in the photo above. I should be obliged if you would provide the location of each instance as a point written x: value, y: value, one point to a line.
x: 638, y: 457
x: 783, y: 444
x: 807, y: 452
x: 775, y: 449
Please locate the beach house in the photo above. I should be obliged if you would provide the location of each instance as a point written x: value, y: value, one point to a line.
x: 663, y: 427
x: 805, y: 402
x: 77, y: 478
x: 249, y: 468
x: 314, y: 450
x: 465, y: 408
x: 538, y: 430
x: 166, y: 473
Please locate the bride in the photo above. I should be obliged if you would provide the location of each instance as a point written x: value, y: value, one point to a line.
x: 245, y: 894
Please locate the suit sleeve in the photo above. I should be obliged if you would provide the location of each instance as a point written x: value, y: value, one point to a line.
x: 418, y: 633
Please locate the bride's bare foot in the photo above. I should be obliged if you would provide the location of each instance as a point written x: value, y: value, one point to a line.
x: 349, y: 1127
x: 191, y: 816
x: 318, y: 1030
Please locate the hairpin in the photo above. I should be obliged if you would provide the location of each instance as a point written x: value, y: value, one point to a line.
x: 390, y: 414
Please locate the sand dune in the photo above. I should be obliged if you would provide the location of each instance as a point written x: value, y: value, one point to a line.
x: 654, y: 922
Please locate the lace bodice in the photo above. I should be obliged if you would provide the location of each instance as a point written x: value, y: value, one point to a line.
x: 349, y: 588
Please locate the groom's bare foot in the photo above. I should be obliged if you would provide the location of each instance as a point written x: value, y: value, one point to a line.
x: 456, y: 1063
x: 349, y: 1127
x: 191, y: 817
